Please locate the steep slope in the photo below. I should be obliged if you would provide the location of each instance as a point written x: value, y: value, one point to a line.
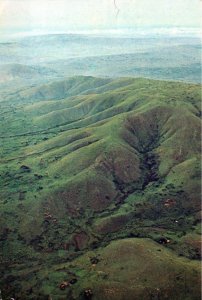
x: 94, y: 160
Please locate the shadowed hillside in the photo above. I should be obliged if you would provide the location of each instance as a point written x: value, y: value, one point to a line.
x: 100, y: 190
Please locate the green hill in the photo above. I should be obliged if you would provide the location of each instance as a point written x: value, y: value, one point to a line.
x: 100, y: 170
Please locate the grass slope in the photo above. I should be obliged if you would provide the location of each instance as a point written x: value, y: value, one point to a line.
x: 87, y: 161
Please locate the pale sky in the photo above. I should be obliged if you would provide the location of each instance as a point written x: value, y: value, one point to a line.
x: 67, y: 15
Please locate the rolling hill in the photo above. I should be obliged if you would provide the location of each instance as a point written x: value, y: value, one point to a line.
x: 67, y: 55
x: 10, y: 72
x: 100, y: 190
x: 171, y: 62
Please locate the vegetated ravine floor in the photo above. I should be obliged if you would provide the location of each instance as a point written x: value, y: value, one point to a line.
x: 100, y: 190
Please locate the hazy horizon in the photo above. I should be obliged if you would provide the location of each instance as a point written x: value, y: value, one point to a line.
x: 18, y: 17
x: 192, y: 32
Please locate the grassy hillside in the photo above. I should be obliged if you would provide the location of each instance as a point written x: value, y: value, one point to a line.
x: 98, y: 178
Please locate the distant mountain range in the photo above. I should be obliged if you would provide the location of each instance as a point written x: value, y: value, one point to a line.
x: 69, y: 55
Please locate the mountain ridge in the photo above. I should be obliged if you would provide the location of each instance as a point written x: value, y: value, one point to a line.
x: 118, y: 170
